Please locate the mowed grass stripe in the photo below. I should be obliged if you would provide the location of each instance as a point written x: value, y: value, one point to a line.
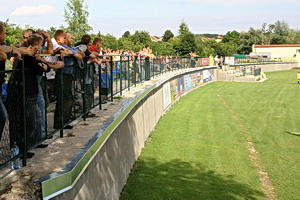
x: 275, y: 109
x: 196, y: 152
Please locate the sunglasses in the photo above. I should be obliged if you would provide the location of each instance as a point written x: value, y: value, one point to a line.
x: 25, y: 37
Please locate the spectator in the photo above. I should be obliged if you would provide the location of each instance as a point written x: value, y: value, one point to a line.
x: 105, y: 82
x: 33, y: 67
x: 96, y: 49
x: 40, y: 99
x: 83, y: 46
x: 68, y: 78
x: 3, y: 56
x: 26, y: 34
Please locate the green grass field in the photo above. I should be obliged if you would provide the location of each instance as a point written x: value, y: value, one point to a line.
x: 198, y: 150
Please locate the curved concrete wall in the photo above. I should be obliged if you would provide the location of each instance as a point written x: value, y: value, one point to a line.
x: 101, y: 168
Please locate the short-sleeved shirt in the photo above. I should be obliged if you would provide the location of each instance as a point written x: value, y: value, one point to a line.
x: 55, y: 46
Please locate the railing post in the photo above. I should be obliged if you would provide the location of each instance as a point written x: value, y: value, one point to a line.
x: 61, y: 102
x: 129, y: 74
x: 23, y: 116
x: 135, y: 67
x: 83, y: 90
x: 111, y: 79
x: 121, y: 74
x: 100, y: 87
x: 45, y: 91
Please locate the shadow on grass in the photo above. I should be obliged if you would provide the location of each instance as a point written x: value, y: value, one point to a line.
x: 182, y: 180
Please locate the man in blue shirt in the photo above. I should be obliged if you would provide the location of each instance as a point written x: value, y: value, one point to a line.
x: 67, y: 73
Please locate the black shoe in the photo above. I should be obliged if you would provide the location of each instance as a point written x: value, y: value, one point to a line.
x: 89, y: 115
x: 42, y: 146
x: 68, y: 127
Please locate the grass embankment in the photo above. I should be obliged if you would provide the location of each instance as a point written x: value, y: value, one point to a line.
x: 198, y: 150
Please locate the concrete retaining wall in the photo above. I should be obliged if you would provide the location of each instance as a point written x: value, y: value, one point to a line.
x: 107, y: 169
x: 277, y: 67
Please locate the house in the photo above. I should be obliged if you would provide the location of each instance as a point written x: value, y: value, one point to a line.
x: 276, y: 51
x: 219, y: 38
x: 155, y: 38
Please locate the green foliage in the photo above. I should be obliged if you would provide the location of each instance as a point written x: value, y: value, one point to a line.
x: 125, y: 44
x: 76, y: 16
x: 163, y: 48
x: 209, y: 35
x: 167, y: 35
x: 183, y: 29
x: 187, y: 40
x: 247, y: 39
x: 109, y: 41
x: 13, y: 34
x: 140, y: 37
x: 231, y: 36
x: 126, y: 34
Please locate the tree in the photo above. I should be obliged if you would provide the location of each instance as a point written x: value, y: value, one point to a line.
x: 183, y: 28
x: 162, y: 48
x: 231, y: 36
x: 125, y: 43
x: 13, y: 34
x: 167, y: 35
x: 76, y: 16
x: 187, y: 42
x: 126, y: 34
x: 141, y: 37
x: 247, y: 39
x: 282, y: 33
x: 109, y: 41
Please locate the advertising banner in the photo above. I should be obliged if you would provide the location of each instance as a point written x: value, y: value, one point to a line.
x: 180, y: 85
x: 167, y: 94
x: 205, y: 61
x: 187, y: 82
x: 229, y: 60
x: 174, y: 93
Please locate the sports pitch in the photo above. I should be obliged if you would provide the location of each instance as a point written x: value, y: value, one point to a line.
x: 225, y: 140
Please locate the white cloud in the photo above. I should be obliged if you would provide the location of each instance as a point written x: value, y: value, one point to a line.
x: 26, y: 11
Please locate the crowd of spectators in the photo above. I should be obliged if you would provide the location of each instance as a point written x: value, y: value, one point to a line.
x: 42, y: 55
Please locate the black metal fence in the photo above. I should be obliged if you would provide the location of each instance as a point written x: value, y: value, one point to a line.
x: 262, y: 60
x: 67, y: 94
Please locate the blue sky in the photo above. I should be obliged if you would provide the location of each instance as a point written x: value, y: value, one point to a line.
x: 156, y: 16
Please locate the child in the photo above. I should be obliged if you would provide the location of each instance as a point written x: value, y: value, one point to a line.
x: 298, y: 77
x: 105, y: 83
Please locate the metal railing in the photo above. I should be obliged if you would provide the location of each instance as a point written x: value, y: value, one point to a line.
x: 262, y: 60
x: 67, y: 94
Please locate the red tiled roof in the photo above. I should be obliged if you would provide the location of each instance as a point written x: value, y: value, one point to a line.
x: 277, y: 45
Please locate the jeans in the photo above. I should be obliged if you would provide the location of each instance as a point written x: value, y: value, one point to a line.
x: 41, y: 106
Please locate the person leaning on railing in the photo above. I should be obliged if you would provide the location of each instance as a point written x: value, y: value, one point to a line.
x: 33, y: 66
x: 6, y: 53
x: 59, y: 45
x: 90, y: 58
x: 47, y: 48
